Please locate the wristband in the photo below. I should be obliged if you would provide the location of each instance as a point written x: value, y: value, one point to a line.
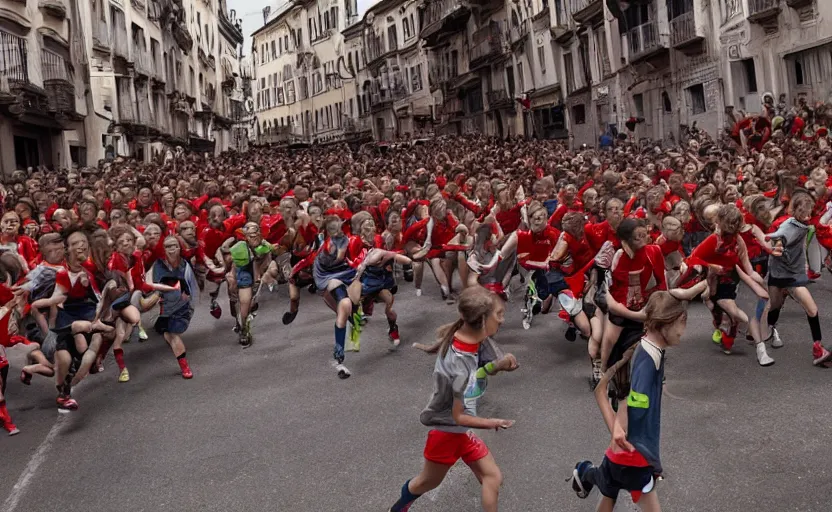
x: 489, y: 368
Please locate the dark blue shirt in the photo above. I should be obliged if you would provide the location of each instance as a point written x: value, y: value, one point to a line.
x: 644, y: 403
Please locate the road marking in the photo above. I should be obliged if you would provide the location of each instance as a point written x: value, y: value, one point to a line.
x: 35, y: 462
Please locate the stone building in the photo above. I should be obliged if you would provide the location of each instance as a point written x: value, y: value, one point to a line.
x: 43, y: 84
x: 299, y: 86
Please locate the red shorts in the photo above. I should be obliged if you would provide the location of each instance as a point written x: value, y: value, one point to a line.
x: 448, y: 447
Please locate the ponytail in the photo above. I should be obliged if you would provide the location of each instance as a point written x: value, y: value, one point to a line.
x: 445, y: 336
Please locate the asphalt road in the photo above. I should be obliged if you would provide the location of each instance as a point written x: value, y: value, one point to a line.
x: 273, y: 428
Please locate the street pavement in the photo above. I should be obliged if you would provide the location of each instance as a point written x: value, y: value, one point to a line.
x: 273, y: 428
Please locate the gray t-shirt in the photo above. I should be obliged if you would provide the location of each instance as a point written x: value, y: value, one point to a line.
x: 454, y: 377
x: 792, y: 264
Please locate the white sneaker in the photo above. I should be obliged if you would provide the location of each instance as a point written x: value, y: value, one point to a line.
x: 418, y: 292
x: 762, y: 356
x: 343, y: 371
x: 774, y: 338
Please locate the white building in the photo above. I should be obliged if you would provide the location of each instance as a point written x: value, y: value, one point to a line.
x: 43, y: 85
x: 299, y: 90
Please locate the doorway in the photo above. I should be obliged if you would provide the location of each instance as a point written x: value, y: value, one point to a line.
x: 26, y: 152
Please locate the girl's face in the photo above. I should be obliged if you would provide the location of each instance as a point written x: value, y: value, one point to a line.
x: 672, y: 333
x: 181, y: 212
x: 152, y: 234
x: 168, y: 200
x: 79, y: 249
x: 333, y: 228
x: 368, y: 231
x: 421, y: 211
x: 10, y: 224
x: 394, y: 223
x: 731, y: 194
x: 172, y: 250
x: 126, y: 244
x: 538, y: 220
x: 640, y: 238
x: 316, y: 216
x: 495, y: 319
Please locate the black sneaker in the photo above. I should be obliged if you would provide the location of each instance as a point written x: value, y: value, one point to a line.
x: 289, y: 317
x: 581, y: 487
x: 571, y: 334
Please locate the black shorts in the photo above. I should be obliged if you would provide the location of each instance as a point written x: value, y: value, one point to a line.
x: 4, y: 376
x: 787, y: 282
x: 760, y: 265
x: 624, y: 323
x: 66, y: 341
x: 613, y: 478
x: 725, y: 290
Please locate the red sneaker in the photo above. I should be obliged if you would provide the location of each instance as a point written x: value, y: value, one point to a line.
x: 813, y: 276
x: 394, y: 339
x: 820, y: 356
x: 727, y: 343
x: 216, y: 310
x: 186, y: 370
x: 66, y: 404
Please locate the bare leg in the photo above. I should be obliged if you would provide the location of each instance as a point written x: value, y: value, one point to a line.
x: 431, y: 476
x: 489, y: 475
x: 176, y: 344
x: 608, y: 340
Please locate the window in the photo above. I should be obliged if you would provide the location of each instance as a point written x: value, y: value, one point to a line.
x: 416, y: 78
x: 750, y: 75
x: 406, y: 28
x: 510, y: 80
x: 274, y: 52
x: 579, y: 114
x: 326, y: 20
x: 569, y: 71
x: 392, y: 38
x: 638, y: 100
x: 696, y: 96
x: 668, y: 107
x: 541, y: 57
x: 286, y: 42
x: 280, y: 46
x: 520, y: 77
x: 333, y: 17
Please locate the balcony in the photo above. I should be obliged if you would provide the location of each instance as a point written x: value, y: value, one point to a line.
x: 323, y: 36
x: 126, y: 111
x: 683, y: 32
x: 54, y: 8
x: 798, y: 4
x: 355, y: 126
x: 452, y: 107
x: 585, y: 10
x: 645, y: 41
x: 57, y: 81
x: 14, y: 66
x: 489, y: 45
x: 499, y: 98
x: 121, y: 43
x: 763, y: 11
x: 157, y: 70
x: 443, y: 18
x: 518, y: 35
x: 182, y: 36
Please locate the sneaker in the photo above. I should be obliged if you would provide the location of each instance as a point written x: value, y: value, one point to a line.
x: 245, y: 339
x: 216, y: 310
x: 25, y: 378
x: 342, y: 371
x: 762, y: 356
x: 418, y: 292
x: 13, y: 430
x: 812, y: 275
x: 820, y: 354
x: 236, y: 327
x: 186, y: 370
x: 727, y: 343
x: 581, y: 488
x: 716, y: 337
x: 66, y: 404
x: 571, y: 333
x: 142, y: 334
x: 448, y: 298
x: 774, y: 338
x: 289, y: 317
x: 100, y: 366
x: 394, y: 339
x: 124, y: 376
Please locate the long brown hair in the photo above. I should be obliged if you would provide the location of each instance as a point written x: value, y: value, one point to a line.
x: 474, y: 306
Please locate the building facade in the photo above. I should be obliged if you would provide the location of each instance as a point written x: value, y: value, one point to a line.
x: 301, y: 88
x: 43, y: 84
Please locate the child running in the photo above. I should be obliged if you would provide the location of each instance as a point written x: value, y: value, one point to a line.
x: 452, y: 410
x: 632, y: 459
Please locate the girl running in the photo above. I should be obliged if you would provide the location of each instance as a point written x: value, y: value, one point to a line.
x: 451, y: 412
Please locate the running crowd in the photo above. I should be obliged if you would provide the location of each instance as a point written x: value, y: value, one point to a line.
x: 615, y: 242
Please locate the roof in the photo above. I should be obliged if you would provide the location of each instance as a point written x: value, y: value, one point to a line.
x: 279, y: 15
